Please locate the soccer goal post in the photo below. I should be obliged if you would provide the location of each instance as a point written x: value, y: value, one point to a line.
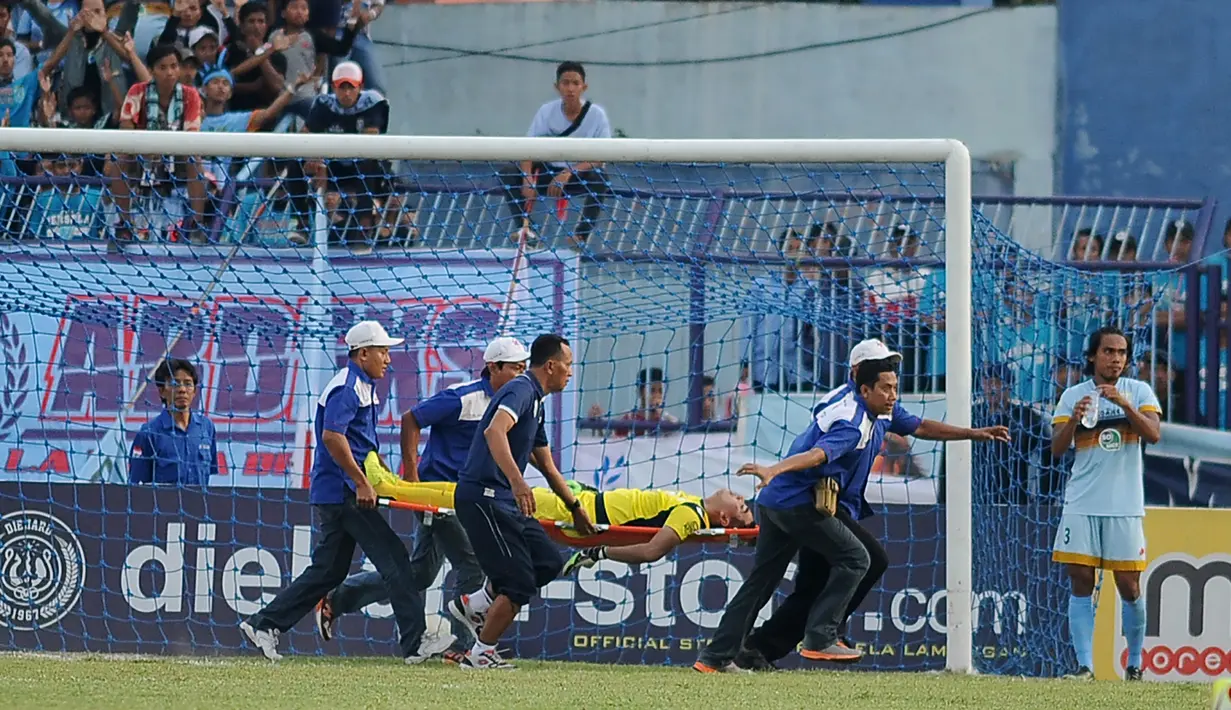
x: 684, y: 243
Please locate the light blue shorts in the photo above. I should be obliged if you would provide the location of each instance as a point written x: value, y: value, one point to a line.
x: 1116, y: 543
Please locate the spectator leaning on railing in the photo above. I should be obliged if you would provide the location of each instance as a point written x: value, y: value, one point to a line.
x: 163, y: 104
x: 355, y: 189
x: 569, y: 115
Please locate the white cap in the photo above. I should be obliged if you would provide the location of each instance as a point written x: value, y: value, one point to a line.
x: 871, y: 350
x: 506, y: 350
x: 349, y: 72
x: 198, y: 33
x: 369, y: 333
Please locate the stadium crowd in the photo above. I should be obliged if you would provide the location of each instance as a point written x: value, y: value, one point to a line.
x: 229, y: 66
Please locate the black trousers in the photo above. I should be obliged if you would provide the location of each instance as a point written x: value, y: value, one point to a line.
x: 590, y: 183
x: 340, y: 529
x: 784, y: 532
x: 513, y: 550
x: 444, y: 537
x: 783, y: 631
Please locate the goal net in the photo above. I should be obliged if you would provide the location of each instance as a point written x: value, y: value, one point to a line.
x: 711, y: 289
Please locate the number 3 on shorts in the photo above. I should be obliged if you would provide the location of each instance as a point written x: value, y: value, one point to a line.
x: 1066, y: 536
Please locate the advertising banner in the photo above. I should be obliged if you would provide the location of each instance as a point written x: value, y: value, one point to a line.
x: 266, y: 342
x: 111, y: 568
x: 1187, y: 588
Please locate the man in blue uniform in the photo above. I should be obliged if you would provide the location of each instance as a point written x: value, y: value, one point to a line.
x: 496, y: 505
x: 345, y: 503
x: 177, y: 446
x: 800, y: 505
x: 453, y: 414
x: 782, y: 632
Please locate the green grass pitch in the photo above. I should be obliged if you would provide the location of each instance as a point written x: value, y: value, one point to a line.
x: 103, y: 682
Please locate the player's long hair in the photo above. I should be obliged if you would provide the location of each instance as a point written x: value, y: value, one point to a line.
x: 1096, y: 341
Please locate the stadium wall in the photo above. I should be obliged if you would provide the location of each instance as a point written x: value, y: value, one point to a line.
x: 988, y: 79
x: 1140, y: 99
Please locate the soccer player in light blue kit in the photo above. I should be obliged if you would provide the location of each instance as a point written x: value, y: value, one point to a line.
x: 1106, y: 418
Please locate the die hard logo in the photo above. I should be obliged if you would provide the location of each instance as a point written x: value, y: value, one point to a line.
x: 42, y: 570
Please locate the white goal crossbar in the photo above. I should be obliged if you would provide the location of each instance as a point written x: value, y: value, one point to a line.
x: 957, y: 193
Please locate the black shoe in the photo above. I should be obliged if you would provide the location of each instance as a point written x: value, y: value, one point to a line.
x: 1082, y: 673
x: 1132, y: 673
x: 753, y: 660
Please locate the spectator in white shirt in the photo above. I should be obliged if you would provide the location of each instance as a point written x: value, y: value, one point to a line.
x: 569, y: 115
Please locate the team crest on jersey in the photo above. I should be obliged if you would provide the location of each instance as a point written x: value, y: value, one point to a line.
x: 1110, y: 440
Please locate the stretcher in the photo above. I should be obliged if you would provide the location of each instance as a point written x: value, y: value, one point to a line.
x: 614, y: 535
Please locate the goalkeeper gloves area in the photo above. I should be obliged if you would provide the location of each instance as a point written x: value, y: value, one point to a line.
x: 587, y: 557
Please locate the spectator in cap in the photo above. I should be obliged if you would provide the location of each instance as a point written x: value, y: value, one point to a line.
x: 453, y: 415
x: 355, y: 189
x: 203, y: 42
x: 345, y: 504
x: 1123, y: 247
x: 1178, y: 241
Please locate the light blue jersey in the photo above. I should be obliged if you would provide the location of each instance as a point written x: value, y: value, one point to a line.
x: 1107, y: 476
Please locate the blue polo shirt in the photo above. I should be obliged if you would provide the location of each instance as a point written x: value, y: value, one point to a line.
x: 481, y: 479
x: 851, y: 438
x: 454, y: 415
x: 347, y: 406
x: 164, y: 453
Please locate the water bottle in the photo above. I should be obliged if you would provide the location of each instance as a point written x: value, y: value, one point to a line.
x: 1090, y: 419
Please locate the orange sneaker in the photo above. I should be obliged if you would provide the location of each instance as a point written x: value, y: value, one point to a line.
x: 728, y: 668
x: 835, y: 653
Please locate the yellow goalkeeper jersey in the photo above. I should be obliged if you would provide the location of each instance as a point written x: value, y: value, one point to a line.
x: 683, y: 513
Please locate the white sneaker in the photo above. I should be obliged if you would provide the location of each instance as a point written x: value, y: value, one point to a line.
x: 486, y: 661
x: 267, y: 641
x: 459, y: 608
x: 431, y: 646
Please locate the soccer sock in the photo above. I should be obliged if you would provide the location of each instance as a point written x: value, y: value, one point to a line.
x: 1081, y: 629
x: 480, y: 647
x: 1133, y: 619
x: 480, y: 601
